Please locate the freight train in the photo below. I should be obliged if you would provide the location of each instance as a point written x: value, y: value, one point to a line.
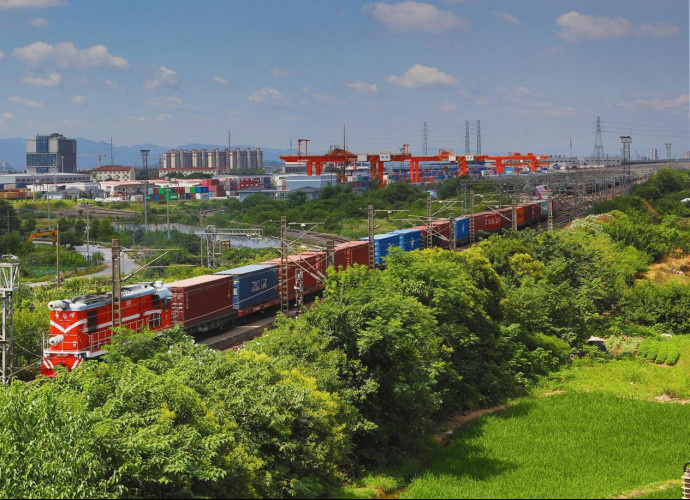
x: 80, y: 327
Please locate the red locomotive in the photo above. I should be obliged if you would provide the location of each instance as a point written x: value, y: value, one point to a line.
x: 80, y: 327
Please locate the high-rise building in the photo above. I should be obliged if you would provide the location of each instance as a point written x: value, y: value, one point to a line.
x: 217, y: 160
x: 653, y: 154
x: 51, y: 154
x: 686, y: 155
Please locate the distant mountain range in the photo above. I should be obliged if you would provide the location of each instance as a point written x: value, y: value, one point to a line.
x: 13, y: 151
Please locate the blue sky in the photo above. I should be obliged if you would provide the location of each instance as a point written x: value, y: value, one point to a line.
x: 170, y: 72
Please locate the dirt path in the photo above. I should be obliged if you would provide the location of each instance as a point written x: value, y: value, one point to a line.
x: 456, y: 422
x: 641, y: 492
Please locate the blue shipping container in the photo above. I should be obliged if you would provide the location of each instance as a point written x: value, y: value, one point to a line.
x: 253, y: 285
x: 462, y: 228
x: 544, y: 204
x: 382, y: 244
x: 410, y: 239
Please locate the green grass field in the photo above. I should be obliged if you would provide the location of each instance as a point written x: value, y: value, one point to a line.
x: 593, y: 430
x: 629, y: 377
x: 571, y: 445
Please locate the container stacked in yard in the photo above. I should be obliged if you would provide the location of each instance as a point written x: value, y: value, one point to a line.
x: 179, y: 193
x: 382, y: 244
x: 313, y: 267
x: 410, y: 239
x: 203, y: 303
x: 255, y: 287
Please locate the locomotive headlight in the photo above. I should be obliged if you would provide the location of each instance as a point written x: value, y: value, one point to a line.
x: 56, y: 340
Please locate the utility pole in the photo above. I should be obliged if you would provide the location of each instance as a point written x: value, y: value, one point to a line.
x: 330, y: 253
x: 117, y: 284
x: 429, y: 220
x: 57, y: 258
x: 452, y: 244
x: 514, y: 218
x: 371, y: 238
x: 111, y: 151
x: 284, y: 275
x: 549, y: 204
x: 9, y: 283
x: 167, y: 213
x: 472, y: 228
x: 145, y: 159
x: 88, y: 229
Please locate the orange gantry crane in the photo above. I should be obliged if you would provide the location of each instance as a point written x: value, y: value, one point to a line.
x: 340, y: 157
x: 336, y: 156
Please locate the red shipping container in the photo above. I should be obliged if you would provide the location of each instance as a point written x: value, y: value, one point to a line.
x: 313, y: 267
x: 340, y: 260
x: 202, y: 302
x: 358, y: 253
x: 506, y: 217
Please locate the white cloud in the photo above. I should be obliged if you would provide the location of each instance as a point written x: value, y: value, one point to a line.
x: 576, y: 27
x: 6, y: 116
x: 136, y: 118
x: 53, y: 80
x: 38, y: 22
x: 505, y: 17
x: 26, y: 102
x: 659, y: 29
x: 169, y: 102
x: 447, y: 107
x: 363, y: 87
x: 67, y: 55
x: 268, y: 95
x: 18, y: 4
x: 415, y: 17
x: 279, y: 73
x: 163, y: 77
x: 421, y: 76
x: 165, y: 116
x: 680, y: 103
x: 79, y: 99
x: 113, y: 85
x: 220, y: 80
x: 322, y: 98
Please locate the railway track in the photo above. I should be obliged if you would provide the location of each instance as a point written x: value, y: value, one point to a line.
x: 571, y: 208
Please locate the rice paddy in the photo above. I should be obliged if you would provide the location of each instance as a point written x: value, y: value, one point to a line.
x: 569, y: 445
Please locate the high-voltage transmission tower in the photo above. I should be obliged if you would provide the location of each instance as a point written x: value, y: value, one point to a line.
x: 479, y: 138
x: 9, y: 283
x: 467, y: 137
x: 598, y: 142
x: 425, y: 140
x: 626, y: 140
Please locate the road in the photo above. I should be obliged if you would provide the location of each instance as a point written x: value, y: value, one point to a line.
x: 127, y: 264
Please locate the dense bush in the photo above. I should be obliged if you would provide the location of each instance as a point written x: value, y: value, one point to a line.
x: 655, y: 304
x: 164, y: 417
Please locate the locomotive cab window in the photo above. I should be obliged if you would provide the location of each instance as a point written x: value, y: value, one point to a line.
x: 156, y: 301
x: 91, y: 320
x: 155, y: 320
